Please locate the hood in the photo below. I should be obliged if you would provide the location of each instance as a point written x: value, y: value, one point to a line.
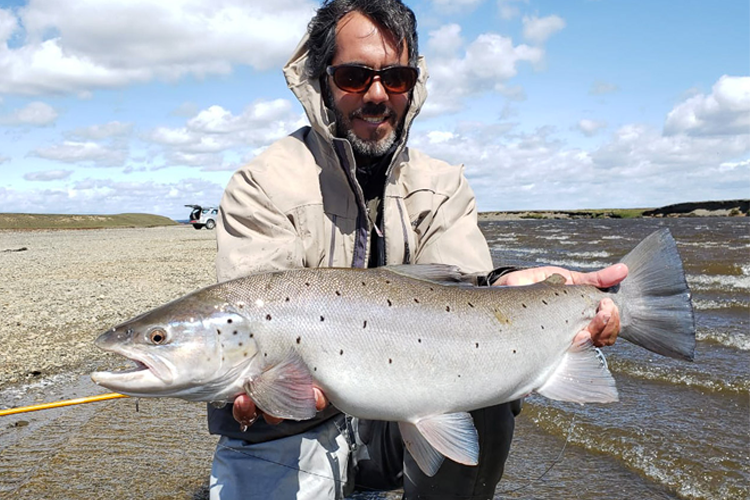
x: 322, y: 119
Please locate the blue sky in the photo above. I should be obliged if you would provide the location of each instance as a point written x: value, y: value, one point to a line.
x: 111, y: 106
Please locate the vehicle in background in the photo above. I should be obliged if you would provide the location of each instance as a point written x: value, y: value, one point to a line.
x: 203, y: 216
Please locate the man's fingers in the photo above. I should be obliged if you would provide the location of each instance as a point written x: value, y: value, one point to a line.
x: 244, y: 410
x: 320, y: 399
x: 603, y: 278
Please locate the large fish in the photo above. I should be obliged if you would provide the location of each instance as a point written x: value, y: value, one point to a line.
x: 399, y: 344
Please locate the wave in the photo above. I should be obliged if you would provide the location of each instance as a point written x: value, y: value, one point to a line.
x: 660, y: 460
x: 735, y: 340
x: 677, y: 377
x: 721, y: 281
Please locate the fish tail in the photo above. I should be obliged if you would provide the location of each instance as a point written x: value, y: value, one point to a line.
x: 656, y: 311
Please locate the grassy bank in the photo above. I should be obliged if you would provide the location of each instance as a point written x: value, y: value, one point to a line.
x: 21, y: 222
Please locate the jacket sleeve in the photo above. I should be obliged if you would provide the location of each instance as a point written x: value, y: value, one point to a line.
x: 252, y: 233
x: 454, y: 236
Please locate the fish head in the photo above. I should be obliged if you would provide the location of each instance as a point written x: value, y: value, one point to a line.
x: 187, y: 349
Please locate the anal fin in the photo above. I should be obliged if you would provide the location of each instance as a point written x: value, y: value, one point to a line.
x: 452, y: 435
x: 581, y: 377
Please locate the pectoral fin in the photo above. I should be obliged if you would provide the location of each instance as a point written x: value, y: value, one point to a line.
x: 284, y: 390
x: 581, y: 377
x: 452, y: 435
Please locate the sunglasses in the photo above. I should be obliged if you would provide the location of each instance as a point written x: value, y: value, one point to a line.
x: 357, y: 79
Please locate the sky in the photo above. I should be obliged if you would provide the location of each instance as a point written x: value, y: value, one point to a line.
x: 122, y: 106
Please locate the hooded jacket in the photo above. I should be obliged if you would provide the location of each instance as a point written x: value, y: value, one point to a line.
x: 298, y: 204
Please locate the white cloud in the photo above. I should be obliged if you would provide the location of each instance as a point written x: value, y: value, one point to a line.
x: 77, y: 46
x: 36, y: 114
x: 725, y: 111
x: 508, y: 8
x: 106, y: 196
x: 84, y: 153
x: 104, y: 131
x: 216, y: 130
x: 599, y: 88
x: 539, y: 29
x: 48, y: 175
x: 589, y: 128
x: 487, y: 63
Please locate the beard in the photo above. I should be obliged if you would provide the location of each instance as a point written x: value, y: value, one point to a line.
x: 369, y: 149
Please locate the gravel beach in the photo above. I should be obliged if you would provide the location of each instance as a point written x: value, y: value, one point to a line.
x: 60, y: 289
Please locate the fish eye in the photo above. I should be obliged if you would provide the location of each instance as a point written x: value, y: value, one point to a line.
x: 157, y: 336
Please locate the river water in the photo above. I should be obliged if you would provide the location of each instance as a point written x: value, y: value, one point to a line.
x: 680, y: 430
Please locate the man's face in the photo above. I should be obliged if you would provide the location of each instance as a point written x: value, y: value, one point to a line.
x: 372, y: 120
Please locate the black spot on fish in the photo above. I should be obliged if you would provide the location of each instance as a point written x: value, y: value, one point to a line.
x: 222, y: 358
x: 265, y: 354
x: 364, y: 284
x: 229, y: 321
x: 338, y: 293
x: 286, y: 299
x: 307, y: 283
x: 341, y: 352
x: 322, y: 318
x: 557, y: 294
x: 416, y: 300
x: 432, y: 289
x: 476, y: 344
x: 524, y: 305
x: 241, y: 306
x: 387, y: 282
x: 566, y: 321
x: 514, y: 351
x: 365, y: 325
x: 542, y: 327
x: 448, y: 308
x: 244, y: 354
x: 389, y: 302
x: 218, y: 331
x: 565, y: 292
x: 390, y: 361
x: 419, y: 340
x: 299, y: 339
x: 544, y: 302
x: 268, y: 317
x: 315, y: 368
x: 470, y: 304
x: 239, y: 344
x: 235, y: 333
x: 252, y: 335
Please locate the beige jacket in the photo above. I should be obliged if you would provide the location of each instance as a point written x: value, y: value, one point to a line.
x: 298, y: 204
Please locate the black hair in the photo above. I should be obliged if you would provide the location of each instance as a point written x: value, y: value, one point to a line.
x: 393, y: 15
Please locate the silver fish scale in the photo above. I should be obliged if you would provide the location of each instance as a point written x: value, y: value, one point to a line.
x: 367, y: 335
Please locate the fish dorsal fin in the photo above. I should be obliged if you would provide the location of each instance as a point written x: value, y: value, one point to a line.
x: 556, y: 279
x: 284, y: 390
x: 438, y: 273
x: 452, y: 435
x: 581, y: 377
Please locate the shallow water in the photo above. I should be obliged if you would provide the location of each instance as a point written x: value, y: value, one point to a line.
x: 680, y: 430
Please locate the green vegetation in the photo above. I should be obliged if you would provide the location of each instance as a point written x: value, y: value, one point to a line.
x: 22, y: 222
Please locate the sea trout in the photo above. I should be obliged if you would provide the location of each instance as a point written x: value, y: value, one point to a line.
x: 412, y: 344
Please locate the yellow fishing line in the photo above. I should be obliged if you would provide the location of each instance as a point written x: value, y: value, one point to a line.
x: 58, y: 404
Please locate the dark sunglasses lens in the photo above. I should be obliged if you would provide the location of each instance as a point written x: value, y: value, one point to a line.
x: 399, y: 80
x: 352, y: 78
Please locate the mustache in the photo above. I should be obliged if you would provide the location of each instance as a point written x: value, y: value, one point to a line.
x: 371, y: 109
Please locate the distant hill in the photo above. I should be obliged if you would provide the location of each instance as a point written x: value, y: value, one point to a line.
x: 23, y: 222
x: 722, y: 208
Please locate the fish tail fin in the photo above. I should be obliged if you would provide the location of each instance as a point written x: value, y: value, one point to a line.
x: 656, y: 311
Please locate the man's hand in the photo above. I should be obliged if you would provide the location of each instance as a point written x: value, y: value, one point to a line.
x: 246, y: 413
x: 605, y: 326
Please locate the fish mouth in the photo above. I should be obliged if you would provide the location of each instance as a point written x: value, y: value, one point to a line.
x: 142, y: 378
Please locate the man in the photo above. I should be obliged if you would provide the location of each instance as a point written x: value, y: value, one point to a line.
x: 347, y: 192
